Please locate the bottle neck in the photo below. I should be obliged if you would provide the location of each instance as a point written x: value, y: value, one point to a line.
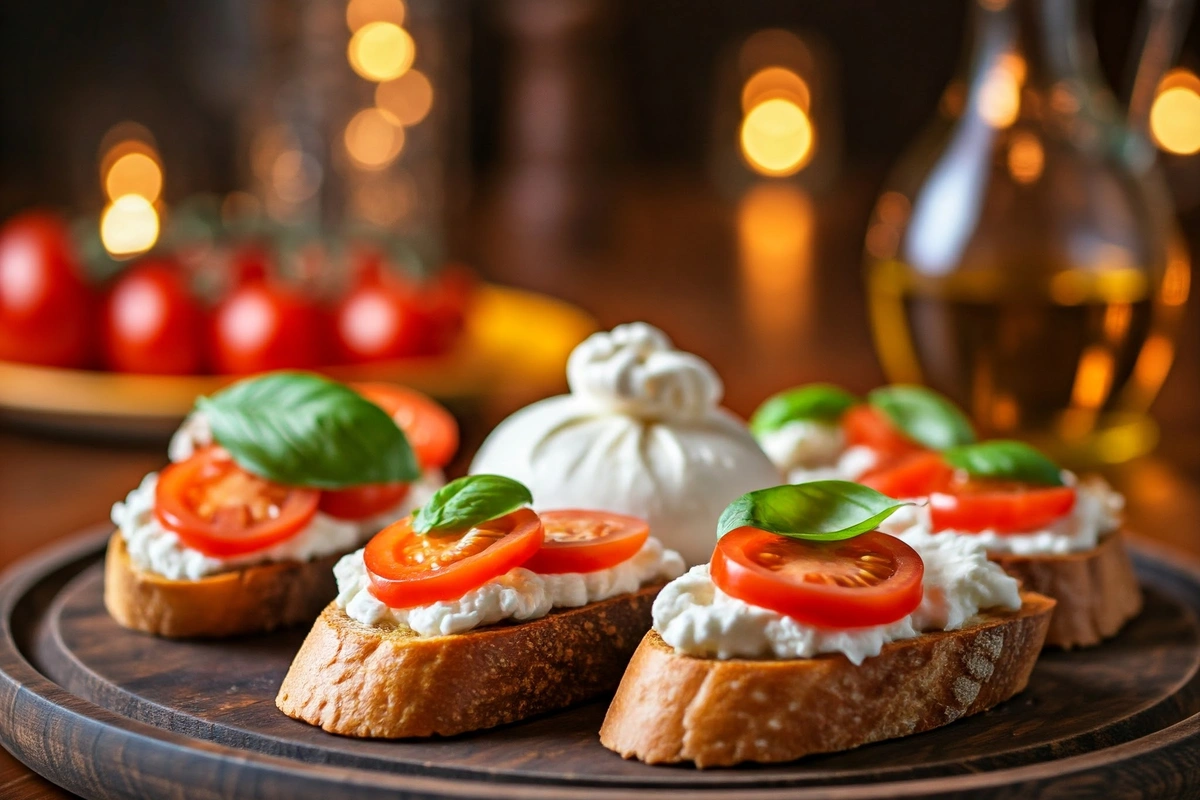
x: 1046, y: 41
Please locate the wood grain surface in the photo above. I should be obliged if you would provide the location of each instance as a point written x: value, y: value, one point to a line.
x: 113, y: 713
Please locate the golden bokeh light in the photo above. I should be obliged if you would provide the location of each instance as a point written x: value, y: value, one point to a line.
x: 374, y: 138
x: 777, y: 138
x: 134, y: 173
x: 408, y: 98
x: 381, y: 51
x: 1025, y: 157
x: 1093, y: 379
x: 364, y: 12
x: 775, y: 224
x: 128, y: 226
x: 1175, y: 113
x: 1154, y: 362
x: 999, y: 100
x: 775, y: 82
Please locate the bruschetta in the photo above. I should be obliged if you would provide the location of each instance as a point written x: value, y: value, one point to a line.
x: 271, y: 481
x: 811, y: 631
x: 474, y: 612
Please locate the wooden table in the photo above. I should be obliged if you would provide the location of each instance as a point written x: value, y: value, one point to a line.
x: 674, y: 255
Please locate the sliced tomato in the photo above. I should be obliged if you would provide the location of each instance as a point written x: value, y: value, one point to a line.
x: 409, y: 569
x: 221, y: 510
x: 586, y: 541
x: 430, y: 428
x: 999, y: 506
x: 868, y: 426
x: 913, y: 475
x: 871, y: 579
x: 363, y: 502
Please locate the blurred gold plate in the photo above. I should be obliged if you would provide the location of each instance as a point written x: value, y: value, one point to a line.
x: 513, y: 340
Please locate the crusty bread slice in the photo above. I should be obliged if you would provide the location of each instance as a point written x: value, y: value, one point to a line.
x: 1096, y: 590
x: 387, y: 682
x: 250, y: 600
x: 671, y: 707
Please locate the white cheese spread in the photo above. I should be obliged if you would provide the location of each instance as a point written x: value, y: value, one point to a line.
x: 695, y: 617
x: 518, y: 594
x: 1097, y: 512
x: 155, y: 549
x: 807, y: 450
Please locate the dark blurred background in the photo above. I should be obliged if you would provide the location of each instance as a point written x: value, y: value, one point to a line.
x: 584, y: 148
x: 71, y: 69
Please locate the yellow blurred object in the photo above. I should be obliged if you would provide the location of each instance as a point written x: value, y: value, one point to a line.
x: 515, y: 341
x: 374, y: 138
x: 408, y: 98
x: 134, y: 173
x: 381, y: 51
x: 1175, y: 114
x: 129, y: 226
x: 362, y: 12
x: 775, y: 82
x: 777, y: 138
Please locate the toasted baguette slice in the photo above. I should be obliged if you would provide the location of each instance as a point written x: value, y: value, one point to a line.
x: 250, y: 600
x: 1096, y: 590
x: 714, y: 713
x: 363, y: 680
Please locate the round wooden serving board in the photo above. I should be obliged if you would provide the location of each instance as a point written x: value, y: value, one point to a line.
x: 108, y: 713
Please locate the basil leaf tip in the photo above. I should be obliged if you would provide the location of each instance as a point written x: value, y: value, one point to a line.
x: 1005, y: 459
x: 470, y: 501
x: 923, y: 415
x: 301, y: 429
x: 819, y: 402
x: 822, y: 511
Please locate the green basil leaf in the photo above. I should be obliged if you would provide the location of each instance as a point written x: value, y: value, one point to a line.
x: 1003, y: 459
x: 923, y: 415
x: 821, y: 402
x: 822, y: 511
x: 469, y: 501
x: 301, y: 429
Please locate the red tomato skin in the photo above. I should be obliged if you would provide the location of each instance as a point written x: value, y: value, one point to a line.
x: 913, y: 475
x: 624, y: 539
x: 431, y: 429
x: 152, y: 324
x: 405, y: 586
x: 1015, y: 512
x: 47, y: 309
x: 173, y: 512
x: 363, y: 502
x: 263, y: 326
x: 379, y: 319
x: 868, y: 426
x: 816, y: 604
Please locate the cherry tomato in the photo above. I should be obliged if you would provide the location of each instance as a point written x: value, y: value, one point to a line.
x: 1000, y: 506
x: 409, y: 569
x: 152, y: 324
x: 871, y: 579
x: 868, y: 426
x: 444, y: 301
x: 261, y: 326
x: 913, y: 475
x: 430, y: 428
x: 586, y: 541
x: 379, y: 319
x: 363, y: 502
x: 218, y: 508
x: 46, y: 307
